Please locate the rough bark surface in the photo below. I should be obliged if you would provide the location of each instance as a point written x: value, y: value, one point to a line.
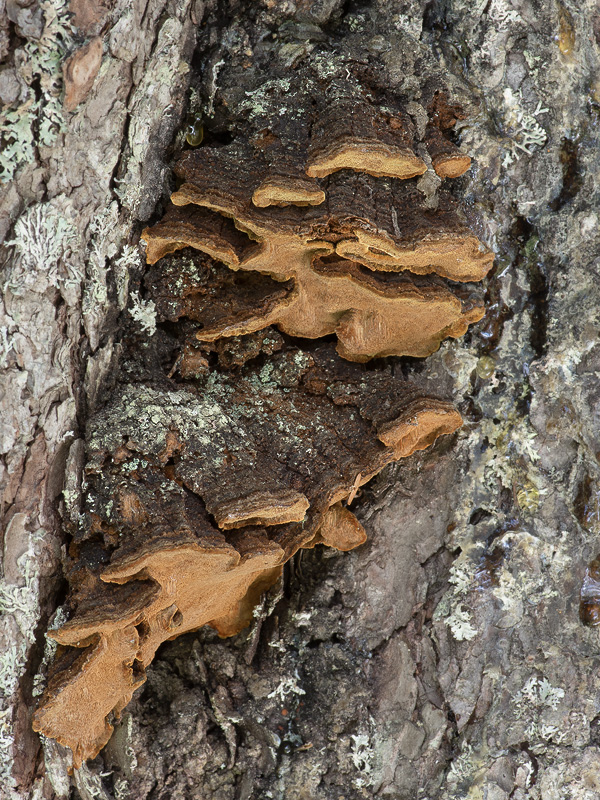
x: 444, y: 658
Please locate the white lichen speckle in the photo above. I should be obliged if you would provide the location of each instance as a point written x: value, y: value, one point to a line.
x: 362, y: 757
x: 462, y: 766
x: 461, y: 575
x: 288, y: 686
x: 459, y: 623
x: 523, y: 128
x: 144, y: 313
x: 45, y: 242
x: 128, y: 260
x: 540, y: 692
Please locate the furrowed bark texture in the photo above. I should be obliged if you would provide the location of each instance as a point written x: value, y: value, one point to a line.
x: 444, y: 658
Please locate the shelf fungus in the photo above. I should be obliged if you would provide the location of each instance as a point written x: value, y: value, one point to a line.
x: 212, y: 464
x: 196, y: 499
x: 333, y: 215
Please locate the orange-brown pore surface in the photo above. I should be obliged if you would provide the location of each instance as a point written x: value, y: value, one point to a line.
x: 195, y: 502
x: 352, y: 259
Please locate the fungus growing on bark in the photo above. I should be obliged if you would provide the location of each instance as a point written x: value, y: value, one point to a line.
x: 447, y: 159
x: 202, y: 482
x: 351, y: 134
x: 197, y: 498
x: 331, y: 214
x: 358, y: 267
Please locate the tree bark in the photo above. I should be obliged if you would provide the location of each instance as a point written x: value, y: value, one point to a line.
x: 451, y: 655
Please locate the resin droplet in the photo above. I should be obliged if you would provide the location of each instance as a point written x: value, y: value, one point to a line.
x: 485, y: 367
x: 194, y: 130
x: 566, y: 32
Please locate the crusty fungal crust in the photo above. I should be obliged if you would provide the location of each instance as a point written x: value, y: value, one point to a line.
x: 308, y: 186
x: 350, y: 133
x: 448, y: 161
x: 369, y: 156
x: 261, y: 508
x: 197, y: 585
x: 339, y: 529
x: 275, y: 191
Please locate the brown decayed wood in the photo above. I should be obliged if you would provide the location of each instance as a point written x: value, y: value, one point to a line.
x: 195, y: 501
x: 386, y: 215
x: 190, y: 284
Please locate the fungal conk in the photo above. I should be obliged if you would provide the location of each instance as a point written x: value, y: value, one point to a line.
x: 231, y: 446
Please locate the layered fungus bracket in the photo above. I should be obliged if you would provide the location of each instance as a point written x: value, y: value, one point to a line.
x: 197, y: 495
x: 323, y: 202
x: 326, y: 212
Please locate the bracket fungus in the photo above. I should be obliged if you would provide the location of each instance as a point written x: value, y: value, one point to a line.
x: 334, y: 215
x: 195, y: 500
x: 203, y: 478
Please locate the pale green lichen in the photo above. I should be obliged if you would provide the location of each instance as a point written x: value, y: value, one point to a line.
x: 450, y: 609
x: 287, y: 687
x: 523, y: 128
x: 260, y: 101
x: 537, y: 703
x: 102, y: 246
x: 89, y: 784
x: 128, y: 261
x: 462, y: 766
x: 501, y: 13
x: 462, y: 574
x: 511, y: 440
x: 37, y: 120
x: 363, y: 759
x: 540, y: 692
x: 459, y: 622
x: 45, y: 242
x: 6, y: 344
x: 302, y: 618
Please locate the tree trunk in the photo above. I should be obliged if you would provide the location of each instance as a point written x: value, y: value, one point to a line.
x: 455, y: 653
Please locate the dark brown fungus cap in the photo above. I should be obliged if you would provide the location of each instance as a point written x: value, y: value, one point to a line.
x: 321, y: 200
x: 351, y: 134
x: 448, y: 161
